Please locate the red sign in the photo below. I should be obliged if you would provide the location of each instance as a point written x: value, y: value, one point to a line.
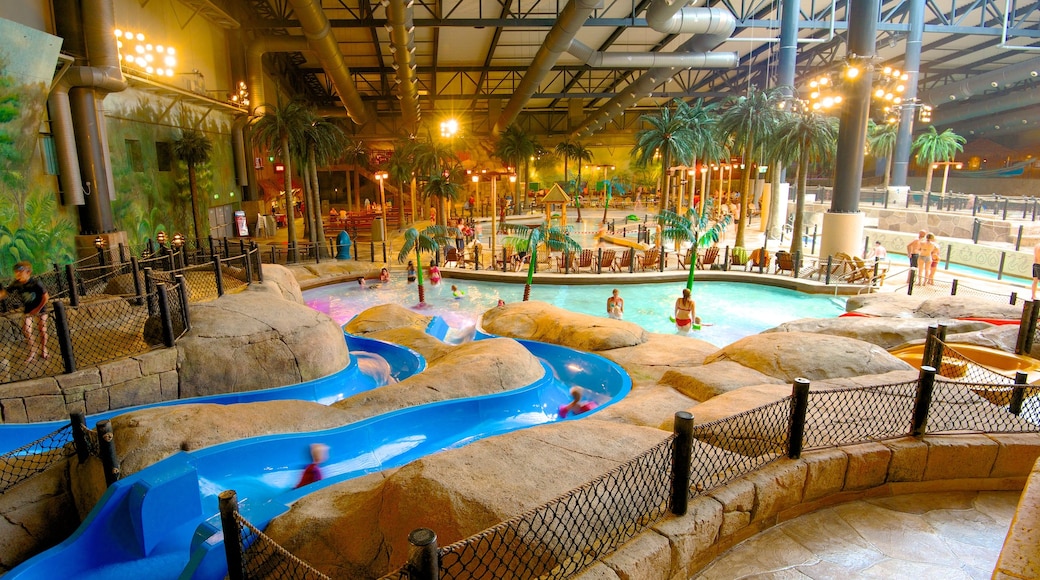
x: 279, y: 168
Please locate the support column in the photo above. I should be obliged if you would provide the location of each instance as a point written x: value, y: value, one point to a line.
x: 788, y: 47
x: 898, y: 187
x: 852, y: 133
x: 95, y: 216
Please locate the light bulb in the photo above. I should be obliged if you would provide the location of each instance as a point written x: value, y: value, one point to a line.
x: 879, y: 93
x: 139, y: 49
x: 140, y: 37
x: 118, y: 33
x: 852, y: 72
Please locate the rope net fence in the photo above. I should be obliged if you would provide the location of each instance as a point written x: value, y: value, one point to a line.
x: 852, y: 415
x: 264, y: 559
x: 728, y: 448
x: 32, y: 458
x: 955, y: 366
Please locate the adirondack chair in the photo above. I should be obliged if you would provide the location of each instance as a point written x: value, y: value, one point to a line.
x: 784, y: 262
x: 585, y: 260
x: 759, y: 258
x: 607, y: 259
x: 650, y: 259
x: 711, y: 254
x: 623, y: 261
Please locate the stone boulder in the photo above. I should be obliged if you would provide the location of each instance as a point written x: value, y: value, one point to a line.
x: 903, y: 306
x: 250, y: 340
x: 547, y: 323
x: 789, y: 355
x: 885, y: 332
x: 386, y: 317
x: 150, y: 435
x: 311, y: 275
x: 280, y: 280
x: 710, y: 380
x: 647, y: 362
x: 483, y: 367
x: 647, y: 406
x: 416, y: 339
x: 359, y: 529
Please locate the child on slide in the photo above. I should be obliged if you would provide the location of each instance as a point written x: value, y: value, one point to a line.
x: 576, y: 406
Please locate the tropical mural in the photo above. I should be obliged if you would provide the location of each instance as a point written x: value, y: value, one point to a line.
x: 151, y: 185
x: 31, y: 225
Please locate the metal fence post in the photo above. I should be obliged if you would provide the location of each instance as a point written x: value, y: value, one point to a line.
x: 1027, y: 344
x: 249, y: 267
x: 61, y: 328
x: 911, y: 278
x: 218, y: 275
x: 1018, y: 393
x: 182, y: 283
x: 796, y: 426
x: 109, y: 459
x: 70, y: 279
x: 1018, y: 238
x: 814, y: 229
x: 827, y: 277
x: 1014, y: 298
x: 1000, y: 267
x: 599, y: 260
x: 925, y: 386
x: 631, y: 260
x: 953, y: 287
x: 149, y: 289
x: 682, y: 460
x: 228, y: 503
x: 423, y: 557
x: 78, y: 423
x: 164, y: 316
x: 384, y: 251
x: 725, y: 260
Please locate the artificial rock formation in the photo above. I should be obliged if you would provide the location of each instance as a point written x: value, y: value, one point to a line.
x: 886, y: 332
x: 546, y: 323
x: 903, y: 306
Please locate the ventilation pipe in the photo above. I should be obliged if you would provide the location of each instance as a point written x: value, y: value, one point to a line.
x: 979, y: 84
x: 640, y: 60
x: 318, y: 31
x: 711, y: 26
x: 238, y: 146
x: 956, y: 114
x: 402, y: 44
x: 1005, y: 122
x: 570, y: 21
x: 255, y: 65
x: 79, y: 94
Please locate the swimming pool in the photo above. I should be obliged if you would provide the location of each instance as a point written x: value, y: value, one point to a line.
x: 733, y: 310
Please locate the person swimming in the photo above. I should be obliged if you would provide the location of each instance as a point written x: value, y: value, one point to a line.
x: 685, y: 315
x: 616, y: 305
x: 384, y: 275
x: 576, y: 406
x: 456, y: 292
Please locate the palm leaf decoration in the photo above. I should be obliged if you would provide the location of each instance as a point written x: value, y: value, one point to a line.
x: 429, y: 240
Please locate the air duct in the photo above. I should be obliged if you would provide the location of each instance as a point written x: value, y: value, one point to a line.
x: 641, y: 60
x: 97, y: 19
x: 402, y: 41
x: 318, y: 31
x: 569, y: 22
x: 1004, y: 122
x: 255, y: 64
x: 716, y: 29
x: 955, y: 114
x: 238, y: 146
x: 979, y: 84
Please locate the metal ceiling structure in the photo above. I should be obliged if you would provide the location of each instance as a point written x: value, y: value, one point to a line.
x: 469, y: 57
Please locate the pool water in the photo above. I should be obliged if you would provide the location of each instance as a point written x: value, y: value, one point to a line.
x: 730, y: 310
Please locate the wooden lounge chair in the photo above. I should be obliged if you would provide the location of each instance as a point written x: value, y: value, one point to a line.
x: 759, y: 259
x: 784, y: 262
x: 606, y: 260
x: 684, y: 259
x: 451, y: 256
x: 585, y: 260
x: 623, y: 261
x: 711, y: 254
x: 738, y: 258
x: 649, y: 260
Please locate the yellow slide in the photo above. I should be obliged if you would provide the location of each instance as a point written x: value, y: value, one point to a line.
x: 625, y: 242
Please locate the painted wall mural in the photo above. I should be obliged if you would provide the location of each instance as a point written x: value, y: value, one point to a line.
x: 32, y: 227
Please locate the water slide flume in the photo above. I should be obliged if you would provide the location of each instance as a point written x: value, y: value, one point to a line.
x: 355, y: 378
x: 148, y: 524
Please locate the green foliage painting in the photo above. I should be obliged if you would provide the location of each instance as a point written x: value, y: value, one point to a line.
x: 31, y: 225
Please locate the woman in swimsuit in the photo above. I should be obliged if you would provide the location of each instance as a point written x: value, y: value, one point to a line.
x: 685, y: 312
x: 924, y: 259
x: 935, y: 259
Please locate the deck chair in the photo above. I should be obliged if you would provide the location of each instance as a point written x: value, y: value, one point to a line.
x: 451, y: 256
x: 606, y: 261
x: 759, y: 258
x: 710, y: 255
x: 863, y: 273
x: 650, y: 259
x: 623, y: 260
x: 585, y: 260
x: 738, y: 259
x: 684, y: 260
x: 784, y: 262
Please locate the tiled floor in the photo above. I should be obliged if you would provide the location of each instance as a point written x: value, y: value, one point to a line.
x: 945, y: 536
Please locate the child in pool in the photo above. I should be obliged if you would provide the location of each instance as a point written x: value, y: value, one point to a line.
x: 435, y: 273
x: 576, y: 406
x: 456, y: 292
x: 411, y: 271
x: 384, y: 275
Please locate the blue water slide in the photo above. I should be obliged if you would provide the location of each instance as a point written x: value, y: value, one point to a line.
x: 403, y: 362
x: 163, y: 520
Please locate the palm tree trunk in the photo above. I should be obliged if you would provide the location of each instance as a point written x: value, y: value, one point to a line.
x: 888, y: 170
x: 357, y: 190
x: 350, y: 196
x: 308, y: 226
x: 928, y: 180
x: 745, y: 187
x: 194, y: 201
x: 577, y: 192
x: 319, y: 232
x: 666, y: 162
x: 290, y: 210
x: 799, y: 205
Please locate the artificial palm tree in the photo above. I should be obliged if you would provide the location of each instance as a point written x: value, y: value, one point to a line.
x: 669, y: 136
x: 804, y: 137
x: 580, y: 153
x: 443, y: 189
x: 749, y: 120
x: 428, y: 240
x: 355, y: 153
x: 690, y: 227
x: 701, y: 120
x: 881, y: 142
x: 193, y: 148
x: 515, y: 146
x: 401, y: 168
x: 278, y: 129
x: 432, y: 159
x: 616, y: 183
x: 565, y: 149
x: 932, y: 146
x: 322, y: 141
x: 527, y: 239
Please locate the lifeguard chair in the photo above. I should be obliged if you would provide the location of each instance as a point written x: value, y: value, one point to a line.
x: 556, y: 196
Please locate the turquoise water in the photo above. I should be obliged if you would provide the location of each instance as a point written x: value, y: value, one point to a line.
x: 733, y: 310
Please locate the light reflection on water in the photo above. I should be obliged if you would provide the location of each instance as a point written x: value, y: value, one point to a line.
x: 733, y: 309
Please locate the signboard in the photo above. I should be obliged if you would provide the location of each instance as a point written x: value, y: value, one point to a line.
x: 279, y: 168
x: 258, y: 163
